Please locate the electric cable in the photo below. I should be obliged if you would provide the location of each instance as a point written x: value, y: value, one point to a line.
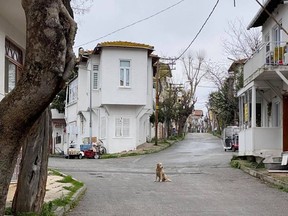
x: 132, y: 24
x: 198, y: 33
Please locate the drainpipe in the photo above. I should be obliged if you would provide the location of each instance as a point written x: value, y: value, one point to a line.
x: 90, y: 104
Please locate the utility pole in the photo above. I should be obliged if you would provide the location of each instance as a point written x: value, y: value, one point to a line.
x: 157, y: 103
x: 157, y: 80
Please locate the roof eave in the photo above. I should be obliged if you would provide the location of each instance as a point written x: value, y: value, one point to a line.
x: 262, y: 16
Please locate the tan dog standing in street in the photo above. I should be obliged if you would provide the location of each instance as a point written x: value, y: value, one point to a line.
x: 160, y: 175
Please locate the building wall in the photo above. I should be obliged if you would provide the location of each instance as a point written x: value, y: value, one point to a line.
x: 8, y: 31
x: 136, y: 94
x: 110, y: 101
x: 118, y: 144
x: 280, y: 14
x: 58, y: 130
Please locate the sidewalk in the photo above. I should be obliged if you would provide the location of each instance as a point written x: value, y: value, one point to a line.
x: 54, y: 190
x: 276, y: 178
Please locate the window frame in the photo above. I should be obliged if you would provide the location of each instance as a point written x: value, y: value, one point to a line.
x: 276, y: 113
x: 14, y: 56
x: 125, y: 69
x: 95, y: 70
x: 73, y: 96
x: 122, y: 130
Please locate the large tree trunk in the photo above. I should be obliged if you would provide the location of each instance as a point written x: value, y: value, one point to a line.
x: 49, y: 60
x: 31, y: 186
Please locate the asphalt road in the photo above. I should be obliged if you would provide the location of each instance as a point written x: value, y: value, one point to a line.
x: 203, y: 183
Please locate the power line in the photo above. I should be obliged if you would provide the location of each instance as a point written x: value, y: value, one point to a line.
x: 132, y: 24
x: 213, y: 9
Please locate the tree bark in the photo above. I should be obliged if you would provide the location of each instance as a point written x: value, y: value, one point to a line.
x: 49, y: 60
x: 31, y: 185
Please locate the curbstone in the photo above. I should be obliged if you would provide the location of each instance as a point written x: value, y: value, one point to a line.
x: 265, y: 178
x: 61, y: 210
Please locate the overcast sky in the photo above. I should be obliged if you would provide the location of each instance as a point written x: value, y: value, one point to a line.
x: 169, y: 32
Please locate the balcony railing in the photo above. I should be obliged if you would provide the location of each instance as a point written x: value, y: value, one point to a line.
x: 270, y: 53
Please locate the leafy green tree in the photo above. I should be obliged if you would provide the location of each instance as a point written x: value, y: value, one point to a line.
x: 59, y: 101
x: 224, y: 104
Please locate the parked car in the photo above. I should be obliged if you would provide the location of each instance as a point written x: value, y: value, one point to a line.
x: 230, y: 138
x: 74, y: 152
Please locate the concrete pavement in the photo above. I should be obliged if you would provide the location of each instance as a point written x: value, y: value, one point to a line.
x: 57, y: 190
x: 203, y: 183
x: 54, y: 190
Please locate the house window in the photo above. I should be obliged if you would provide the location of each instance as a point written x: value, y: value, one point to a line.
x: 277, y: 35
x: 95, y: 77
x: 122, y: 127
x: 73, y: 92
x: 13, y: 65
x: 267, y: 42
x: 276, y: 114
x: 125, y: 73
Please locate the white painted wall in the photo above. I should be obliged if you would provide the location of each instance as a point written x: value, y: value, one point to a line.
x: 15, y: 35
x: 281, y: 15
x: 111, y: 101
x: 258, y: 60
x: 136, y: 94
x: 257, y: 141
x: 58, y: 130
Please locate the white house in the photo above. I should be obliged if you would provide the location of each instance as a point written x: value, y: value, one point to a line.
x: 263, y: 102
x: 12, y: 44
x: 58, y: 132
x: 111, y: 98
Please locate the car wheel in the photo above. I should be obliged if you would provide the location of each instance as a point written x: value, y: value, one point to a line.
x: 80, y: 156
x: 96, y: 156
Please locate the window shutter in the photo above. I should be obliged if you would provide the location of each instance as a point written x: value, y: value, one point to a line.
x: 118, y: 126
x: 95, y: 67
x: 95, y: 80
x: 126, y: 127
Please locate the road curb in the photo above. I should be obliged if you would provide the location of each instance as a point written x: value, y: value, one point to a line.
x: 265, y: 178
x: 61, y: 210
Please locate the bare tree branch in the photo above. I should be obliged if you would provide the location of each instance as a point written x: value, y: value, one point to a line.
x: 241, y: 43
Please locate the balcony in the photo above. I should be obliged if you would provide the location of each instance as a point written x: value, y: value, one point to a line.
x: 267, y: 57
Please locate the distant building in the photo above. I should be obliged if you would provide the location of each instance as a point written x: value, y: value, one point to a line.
x: 58, y: 145
x: 195, y: 121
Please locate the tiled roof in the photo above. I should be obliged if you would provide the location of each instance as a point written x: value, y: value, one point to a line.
x: 236, y: 63
x: 125, y: 44
x: 197, y: 113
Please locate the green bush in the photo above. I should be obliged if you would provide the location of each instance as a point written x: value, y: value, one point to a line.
x: 235, y: 164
